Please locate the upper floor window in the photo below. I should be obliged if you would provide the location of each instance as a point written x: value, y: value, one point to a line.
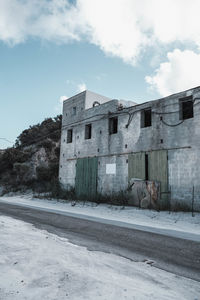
x: 146, y: 117
x: 74, y: 111
x: 88, y: 131
x: 69, y: 135
x: 186, y: 108
x: 113, y: 125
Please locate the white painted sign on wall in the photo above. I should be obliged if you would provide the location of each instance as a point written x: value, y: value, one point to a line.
x: 110, y: 168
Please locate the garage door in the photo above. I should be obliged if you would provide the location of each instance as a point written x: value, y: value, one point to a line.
x: 158, y: 170
x: 151, y: 166
x: 136, y: 165
x: 86, y: 177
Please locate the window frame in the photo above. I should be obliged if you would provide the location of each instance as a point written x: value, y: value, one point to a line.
x: 74, y: 111
x: 69, y: 136
x: 144, y: 123
x: 182, y: 113
x: 113, y: 125
x: 88, y: 131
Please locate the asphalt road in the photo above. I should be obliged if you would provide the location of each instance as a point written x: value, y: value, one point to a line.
x: 177, y: 255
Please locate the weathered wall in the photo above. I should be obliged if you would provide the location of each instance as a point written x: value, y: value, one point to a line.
x: 108, y: 183
x: 167, y: 132
x: 184, y: 174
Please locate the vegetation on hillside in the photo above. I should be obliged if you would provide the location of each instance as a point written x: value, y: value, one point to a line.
x: 34, y: 159
x: 50, y: 128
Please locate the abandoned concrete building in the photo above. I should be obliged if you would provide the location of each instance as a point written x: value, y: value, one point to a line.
x: 109, y: 145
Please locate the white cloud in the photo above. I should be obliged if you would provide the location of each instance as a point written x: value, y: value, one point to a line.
x: 113, y: 26
x: 81, y: 87
x: 58, y: 107
x: 122, y: 28
x: 172, y: 20
x: 62, y: 98
x: 180, y: 72
x: 49, y: 20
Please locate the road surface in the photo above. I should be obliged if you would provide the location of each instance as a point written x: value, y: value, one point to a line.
x: 177, y: 255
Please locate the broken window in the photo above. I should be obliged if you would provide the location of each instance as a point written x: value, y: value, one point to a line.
x: 69, y: 136
x: 74, y: 111
x: 88, y: 131
x: 146, y: 118
x: 186, y: 108
x: 113, y: 125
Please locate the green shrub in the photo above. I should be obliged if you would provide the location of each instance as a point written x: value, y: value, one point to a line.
x: 47, y: 144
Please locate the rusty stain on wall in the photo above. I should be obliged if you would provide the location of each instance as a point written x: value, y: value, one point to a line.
x: 144, y: 194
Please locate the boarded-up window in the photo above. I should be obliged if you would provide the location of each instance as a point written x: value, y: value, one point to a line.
x: 146, y: 118
x: 69, y: 136
x: 88, y: 131
x: 186, y: 108
x: 113, y: 125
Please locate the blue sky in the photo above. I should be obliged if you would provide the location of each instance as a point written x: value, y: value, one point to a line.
x: 120, y: 49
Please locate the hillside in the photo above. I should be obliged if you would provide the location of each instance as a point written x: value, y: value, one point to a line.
x: 32, y: 163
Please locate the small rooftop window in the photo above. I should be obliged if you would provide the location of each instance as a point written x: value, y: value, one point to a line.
x: 74, y: 111
x: 186, y: 108
x: 146, y: 118
x: 113, y: 125
x: 88, y: 131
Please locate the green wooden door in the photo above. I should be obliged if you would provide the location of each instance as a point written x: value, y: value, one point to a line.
x: 86, y: 177
x: 136, y: 165
x: 155, y: 169
x: 158, y: 170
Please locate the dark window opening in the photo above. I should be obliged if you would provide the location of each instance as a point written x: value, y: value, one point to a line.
x: 186, y: 108
x: 74, y: 111
x: 146, y: 167
x: 69, y: 136
x: 146, y: 118
x: 88, y: 131
x: 113, y: 125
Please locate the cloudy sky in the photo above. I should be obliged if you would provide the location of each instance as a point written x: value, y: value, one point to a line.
x: 126, y: 49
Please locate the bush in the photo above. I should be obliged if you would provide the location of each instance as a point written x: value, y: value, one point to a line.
x: 43, y: 173
x: 47, y: 144
x: 57, y: 152
x: 50, y: 127
x: 47, y: 173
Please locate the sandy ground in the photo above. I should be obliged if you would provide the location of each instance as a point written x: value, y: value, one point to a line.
x: 35, y: 264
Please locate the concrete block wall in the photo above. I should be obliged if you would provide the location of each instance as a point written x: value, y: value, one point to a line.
x: 109, y: 183
x: 183, y: 172
x: 167, y: 132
